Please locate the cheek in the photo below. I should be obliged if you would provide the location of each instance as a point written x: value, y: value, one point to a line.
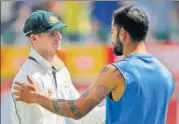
x: 48, y: 41
x: 39, y: 43
x: 46, y: 44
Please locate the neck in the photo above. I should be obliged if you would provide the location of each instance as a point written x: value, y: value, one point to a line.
x: 135, y: 48
x: 46, y: 55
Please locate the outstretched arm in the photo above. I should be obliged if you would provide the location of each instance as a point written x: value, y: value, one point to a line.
x: 108, y: 79
x: 75, y: 109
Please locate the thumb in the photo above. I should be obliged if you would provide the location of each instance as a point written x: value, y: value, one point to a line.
x: 29, y: 78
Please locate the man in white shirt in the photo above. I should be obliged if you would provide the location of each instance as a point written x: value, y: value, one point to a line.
x: 42, y: 28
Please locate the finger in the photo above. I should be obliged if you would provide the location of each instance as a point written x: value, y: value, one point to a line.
x: 16, y: 88
x: 31, y: 87
x: 29, y: 78
x: 16, y: 93
x: 24, y: 87
x: 18, y: 83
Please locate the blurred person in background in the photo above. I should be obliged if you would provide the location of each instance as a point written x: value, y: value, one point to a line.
x: 42, y: 29
x: 100, y: 19
x: 52, y: 6
x: 175, y: 21
x: 13, y: 34
x: 73, y: 16
x: 8, y: 16
x: 161, y: 25
x: 137, y: 88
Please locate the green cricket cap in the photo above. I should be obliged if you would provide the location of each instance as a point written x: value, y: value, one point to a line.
x: 42, y: 21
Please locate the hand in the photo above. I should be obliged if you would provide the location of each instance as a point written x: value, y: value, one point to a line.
x: 26, y: 92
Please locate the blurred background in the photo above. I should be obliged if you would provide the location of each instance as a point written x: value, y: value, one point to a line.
x: 86, y: 45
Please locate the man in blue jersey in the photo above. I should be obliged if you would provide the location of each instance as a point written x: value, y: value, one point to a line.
x: 137, y: 88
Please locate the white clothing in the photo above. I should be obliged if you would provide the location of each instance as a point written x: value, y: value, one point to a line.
x: 41, y: 73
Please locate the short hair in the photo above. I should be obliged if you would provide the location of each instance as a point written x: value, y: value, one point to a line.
x: 133, y: 20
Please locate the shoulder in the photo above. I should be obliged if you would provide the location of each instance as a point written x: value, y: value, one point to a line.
x: 111, y: 71
x: 111, y: 76
x: 28, y: 68
x: 124, y: 63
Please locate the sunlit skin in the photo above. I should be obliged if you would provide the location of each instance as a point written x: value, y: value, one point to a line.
x: 46, y: 44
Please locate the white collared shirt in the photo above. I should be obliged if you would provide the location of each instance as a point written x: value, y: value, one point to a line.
x: 41, y: 73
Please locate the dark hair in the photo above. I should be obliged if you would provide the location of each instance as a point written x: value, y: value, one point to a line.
x: 133, y: 20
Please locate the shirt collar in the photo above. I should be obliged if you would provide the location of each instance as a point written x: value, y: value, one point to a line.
x: 41, y: 60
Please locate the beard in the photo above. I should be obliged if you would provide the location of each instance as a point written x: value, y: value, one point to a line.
x: 118, y: 47
x: 118, y: 50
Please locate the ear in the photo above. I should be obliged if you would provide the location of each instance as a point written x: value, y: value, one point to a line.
x: 32, y: 37
x: 122, y: 34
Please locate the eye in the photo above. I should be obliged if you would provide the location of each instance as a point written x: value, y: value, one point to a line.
x: 52, y: 34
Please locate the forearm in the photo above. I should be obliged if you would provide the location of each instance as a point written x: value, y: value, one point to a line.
x: 44, y: 101
x: 66, y: 108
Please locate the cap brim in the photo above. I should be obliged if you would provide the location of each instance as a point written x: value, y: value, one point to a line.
x: 57, y: 27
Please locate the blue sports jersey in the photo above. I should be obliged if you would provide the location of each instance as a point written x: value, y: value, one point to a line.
x: 149, y: 87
